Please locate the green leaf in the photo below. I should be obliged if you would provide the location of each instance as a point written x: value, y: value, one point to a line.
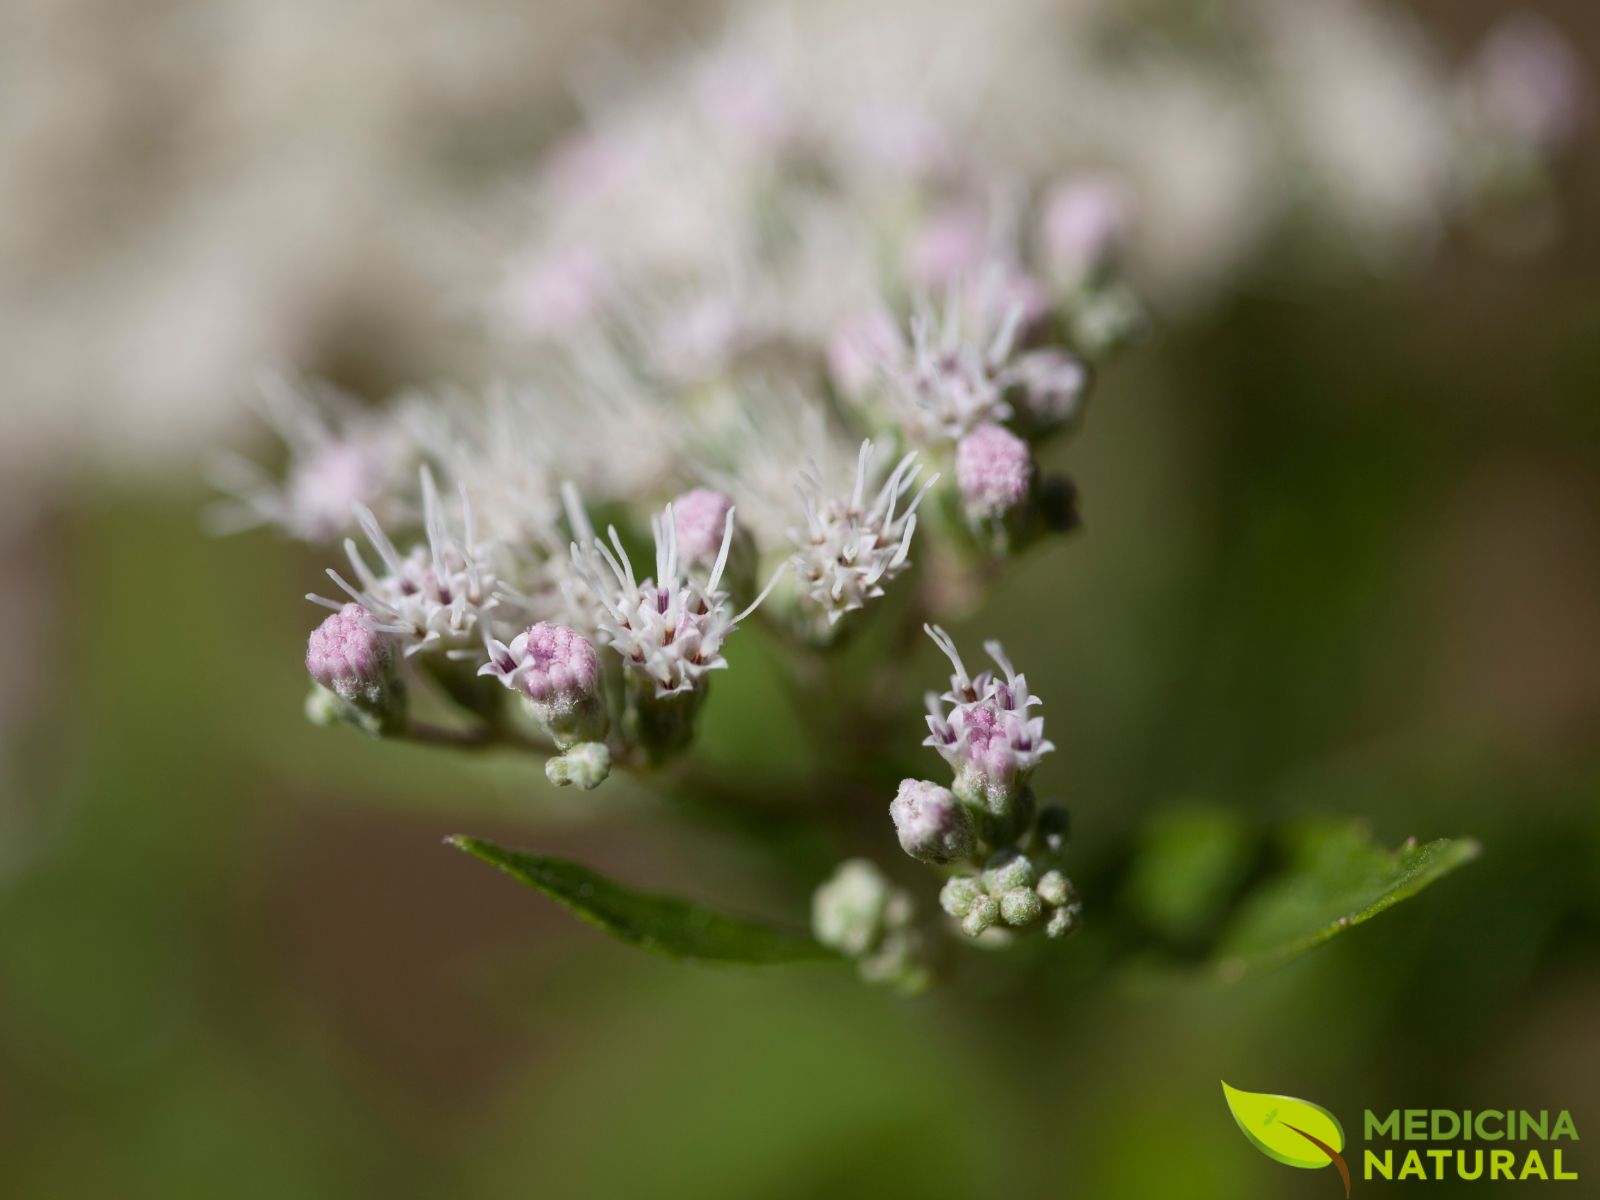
x: 662, y: 923
x: 1285, y: 1128
x: 1336, y: 879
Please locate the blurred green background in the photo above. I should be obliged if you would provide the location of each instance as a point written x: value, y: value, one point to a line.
x: 1341, y: 556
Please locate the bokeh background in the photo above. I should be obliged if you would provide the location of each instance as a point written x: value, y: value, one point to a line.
x: 1341, y: 557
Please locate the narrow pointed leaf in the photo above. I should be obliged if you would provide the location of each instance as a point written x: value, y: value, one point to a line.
x: 1336, y: 879
x: 664, y: 924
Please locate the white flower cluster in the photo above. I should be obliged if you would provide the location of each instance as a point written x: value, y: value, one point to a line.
x: 783, y: 263
x: 818, y: 278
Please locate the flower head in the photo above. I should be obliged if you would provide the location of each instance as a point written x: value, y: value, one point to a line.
x: 853, y: 544
x: 431, y: 598
x: 558, y: 672
x: 987, y: 735
x: 951, y: 377
x: 340, y: 455
x: 668, y: 628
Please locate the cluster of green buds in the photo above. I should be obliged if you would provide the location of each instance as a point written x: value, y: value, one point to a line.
x: 864, y: 917
x: 1018, y: 888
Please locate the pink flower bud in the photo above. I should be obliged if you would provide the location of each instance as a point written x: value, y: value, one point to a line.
x: 994, y: 469
x: 1084, y: 223
x: 932, y: 824
x: 557, y: 669
x: 346, y: 655
x: 1050, y: 386
x: 701, y: 519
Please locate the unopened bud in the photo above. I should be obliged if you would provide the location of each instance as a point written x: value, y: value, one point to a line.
x: 586, y: 764
x: 1108, y: 319
x: 898, y: 963
x: 932, y: 824
x: 1020, y: 906
x: 984, y: 913
x: 960, y: 894
x: 346, y: 655
x: 848, y: 912
x: 700, y: 517
x: 1064, y: 920
x: 1054, y: 888
x: 1048, y: 387
x: 557, y: 672
x: 994, y: 469
x: 355, y: 665
x: 1006, y: 870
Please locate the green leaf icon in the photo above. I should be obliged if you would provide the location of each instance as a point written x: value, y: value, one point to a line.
x: 1292, y: 1131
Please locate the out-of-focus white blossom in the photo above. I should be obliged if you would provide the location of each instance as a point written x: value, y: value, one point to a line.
x: 340, y: 455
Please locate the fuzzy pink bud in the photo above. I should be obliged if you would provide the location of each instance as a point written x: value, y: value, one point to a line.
x: 1050, y: 386
x: 932, y: 824
x: 701, y: 518
x: 994, y: 469
x: 346, y: 655
x: 558, y: 671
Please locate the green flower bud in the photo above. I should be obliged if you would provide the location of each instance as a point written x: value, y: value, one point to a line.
x: 1054, y: 888
x: 849, y: 912
x: 1064, y: 921
x: 1020, y: 906
x: 1006, y: 870
x: 587, y: 764
x: 959, y: 895
x: 985, y: 912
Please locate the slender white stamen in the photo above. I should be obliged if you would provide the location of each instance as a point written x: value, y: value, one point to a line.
x: 722, y: 557
x: 756, y: 603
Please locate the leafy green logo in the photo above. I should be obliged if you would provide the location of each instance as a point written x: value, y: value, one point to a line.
x: 1295, y: 1132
